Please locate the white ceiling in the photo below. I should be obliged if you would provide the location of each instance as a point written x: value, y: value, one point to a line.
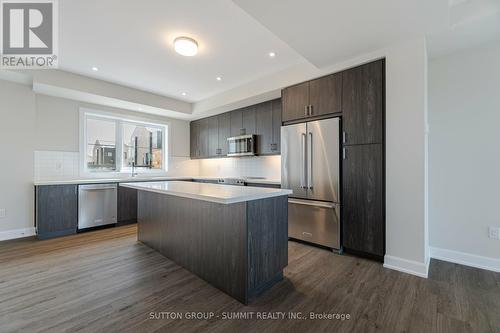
x: 329, y: 31
x: 130, y: 41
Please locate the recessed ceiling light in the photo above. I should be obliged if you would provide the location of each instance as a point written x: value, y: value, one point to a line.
x: 140, y: 109
x: 184, y: 94
x: 186, y: 46
x: 218, y: 78
x: 272, y: 54
x: 95, y: 69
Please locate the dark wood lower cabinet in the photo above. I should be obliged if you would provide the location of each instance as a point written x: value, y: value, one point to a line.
x: 363, y: 228
x: 56, y: 210
x: 127, y: 205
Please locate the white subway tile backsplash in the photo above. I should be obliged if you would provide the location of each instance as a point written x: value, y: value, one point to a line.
x: 56, y: 165
x: 257, y: 166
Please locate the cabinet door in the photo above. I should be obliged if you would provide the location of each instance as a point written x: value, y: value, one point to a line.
x: 194, y: 127
x: 236, y: 122
x: 203, y: 138
x: 56, y: 210
x: 224, y: 132
x: 213, y: 136
x: 264, y: 130
x: 363, y: 199
x: 363, y: 103
x: 325, y: 95
x: 249, y: 119
x: 295, y: 99
x: 127, y: 205
x: 276, y: 142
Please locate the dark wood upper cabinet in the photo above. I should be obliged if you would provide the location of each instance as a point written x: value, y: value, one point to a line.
x: 363, y: 103
x: 325, y: 95
x: 213, y: 136
x: 363, y: 199
x: 276, y: 109
x: 209, y: 135
x: 56, y: 210
x: 249, y: 120
x: 236, y: 121
x: 295, y: 99
x: 264, y: 116
x: 318, y: 97
x: 224, y: 132
x: 194, y: 128
x: 203, y: 139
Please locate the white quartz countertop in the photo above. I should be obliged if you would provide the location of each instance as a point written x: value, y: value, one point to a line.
x: 209, y: 192
x: 106, y: 180
x: 256, y: 180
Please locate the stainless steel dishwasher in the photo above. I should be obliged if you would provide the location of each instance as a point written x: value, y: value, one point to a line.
x: 96, y: 205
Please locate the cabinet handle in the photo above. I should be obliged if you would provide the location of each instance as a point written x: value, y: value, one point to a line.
x: 344, y: 137
x: 310, y: 110
x: 344, y: 155
x: 305, y: 110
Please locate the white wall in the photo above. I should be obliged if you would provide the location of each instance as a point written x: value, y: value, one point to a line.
x: 17, y: 140
x: 47, y: 128
x: 406, y: 151
x: 464, y: 112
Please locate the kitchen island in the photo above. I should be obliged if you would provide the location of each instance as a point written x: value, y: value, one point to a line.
x: 234, y: 237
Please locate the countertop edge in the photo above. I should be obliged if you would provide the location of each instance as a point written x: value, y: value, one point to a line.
x: 209, y: 198
x: 153, y: 179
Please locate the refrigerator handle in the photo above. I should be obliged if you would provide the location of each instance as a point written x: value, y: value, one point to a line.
x: 303, y: 160
x: 310, y: 161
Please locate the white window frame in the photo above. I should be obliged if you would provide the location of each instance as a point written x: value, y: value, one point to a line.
x: 121, y: 119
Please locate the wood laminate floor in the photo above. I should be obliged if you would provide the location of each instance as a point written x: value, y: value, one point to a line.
x: 106, y: 281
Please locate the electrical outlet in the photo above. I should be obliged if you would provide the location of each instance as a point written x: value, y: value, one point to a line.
x: 3, y: 213
x: 494, y: 233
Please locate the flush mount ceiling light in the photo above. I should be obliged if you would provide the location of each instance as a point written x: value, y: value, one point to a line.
x: 184, y: 94
x: 95, y: 69
x: 218, y: 78
x: 272, y: 54
x: 186, y: 46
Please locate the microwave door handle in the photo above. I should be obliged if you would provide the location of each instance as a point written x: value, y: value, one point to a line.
x: 310, y: 161
x: 303, y: 160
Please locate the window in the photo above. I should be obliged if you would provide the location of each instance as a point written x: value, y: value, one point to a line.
x: 115, y: 144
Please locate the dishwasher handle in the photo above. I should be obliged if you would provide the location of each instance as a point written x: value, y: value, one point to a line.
x: 97, y: 187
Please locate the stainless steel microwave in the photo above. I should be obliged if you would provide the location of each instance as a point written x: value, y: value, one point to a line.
x: 243, y: 145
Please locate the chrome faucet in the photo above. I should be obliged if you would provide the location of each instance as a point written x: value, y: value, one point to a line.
x: 133, y: 170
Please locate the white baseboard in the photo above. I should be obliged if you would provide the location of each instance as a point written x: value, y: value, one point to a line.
x: 407, y: 266
x: 17, y: 233
x: 467, y: 259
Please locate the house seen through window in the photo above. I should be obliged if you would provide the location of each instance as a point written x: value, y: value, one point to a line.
x: 114, y: 144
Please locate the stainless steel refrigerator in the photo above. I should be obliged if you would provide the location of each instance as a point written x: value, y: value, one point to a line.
x: 310, y: 166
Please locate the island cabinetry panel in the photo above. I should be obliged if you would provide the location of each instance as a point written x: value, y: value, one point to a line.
x: 127, y: 205
x: 239, y: 248
x: 56, y: 210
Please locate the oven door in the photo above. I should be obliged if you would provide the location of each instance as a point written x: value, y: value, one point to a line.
x: 243, y: 145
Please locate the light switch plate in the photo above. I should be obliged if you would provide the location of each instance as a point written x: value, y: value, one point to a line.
x: 494, y: 233
x: 3, y: 213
